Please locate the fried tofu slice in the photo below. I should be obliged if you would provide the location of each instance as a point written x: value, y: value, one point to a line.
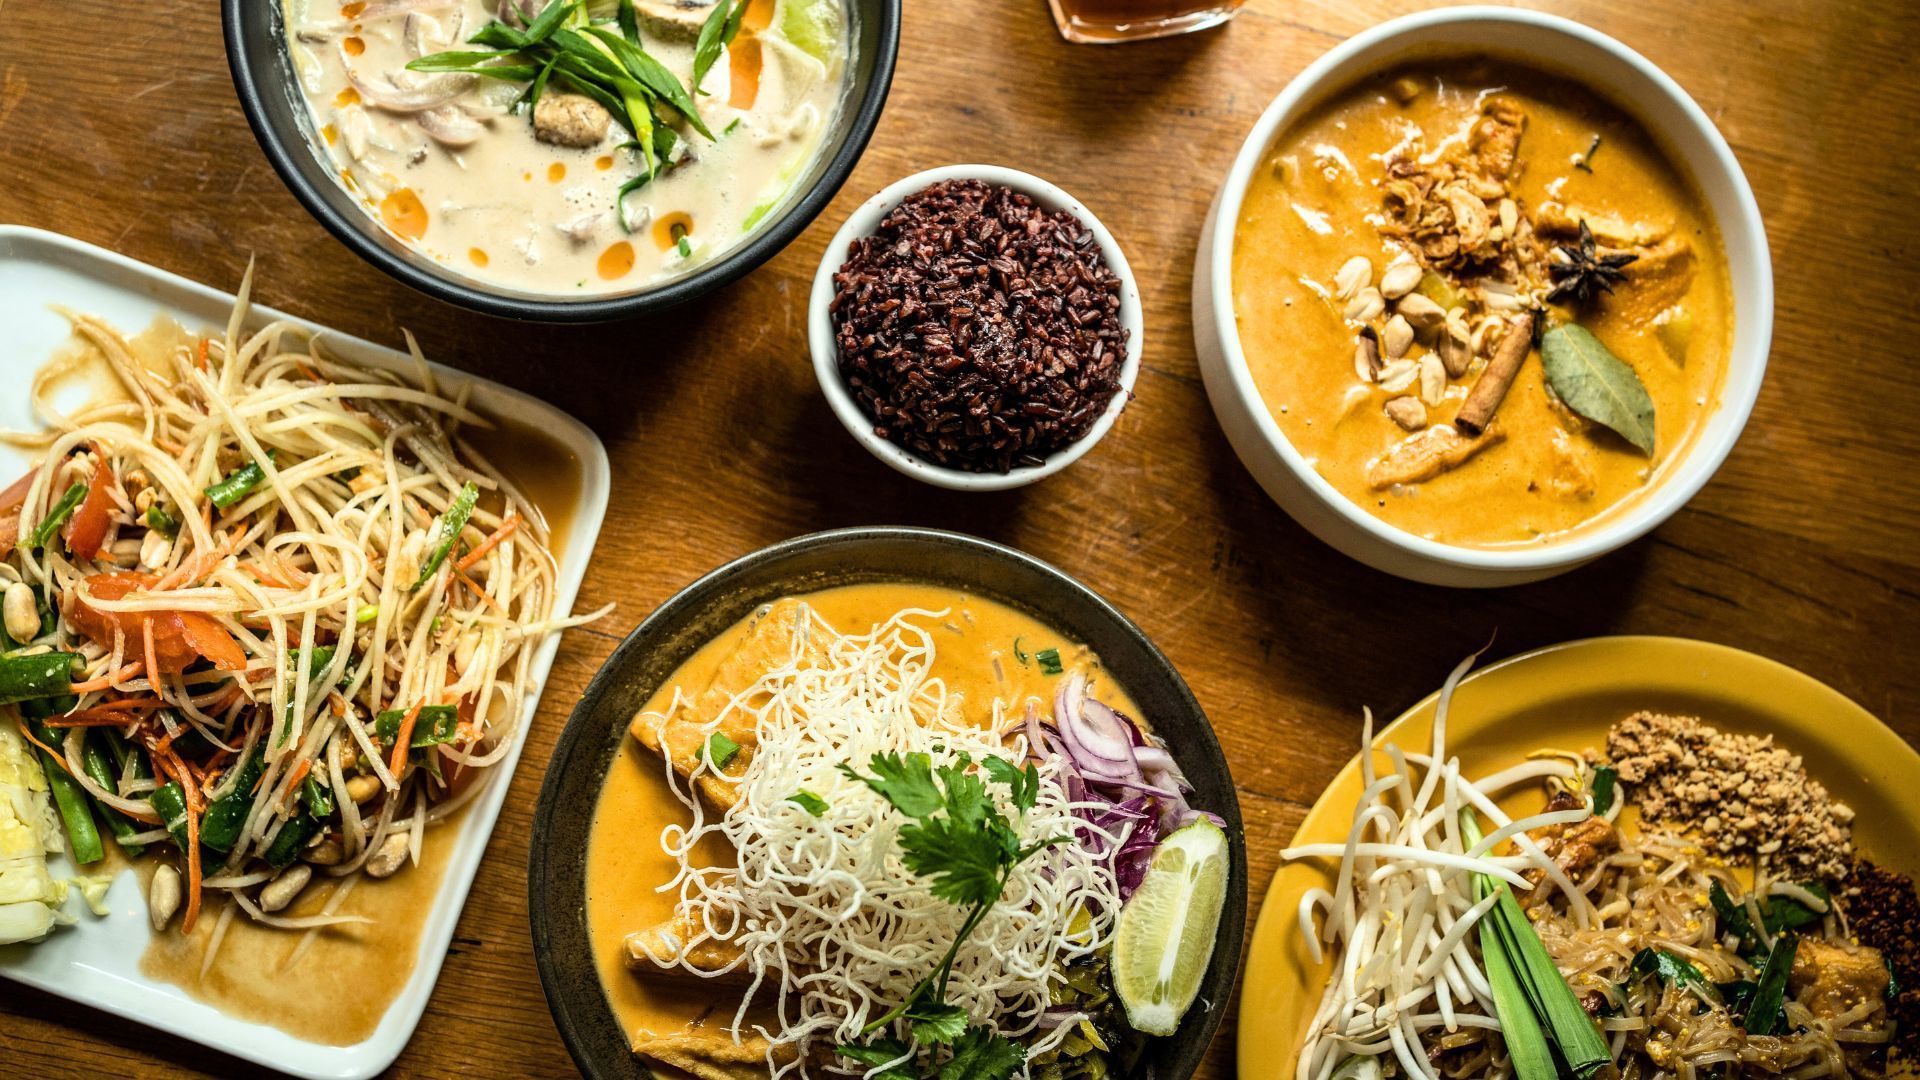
x: 776, y: 637
x: 1428, y: 454
x: 656, y: 950
x: 711, y: 1053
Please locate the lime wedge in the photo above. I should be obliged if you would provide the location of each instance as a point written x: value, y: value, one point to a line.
x: 813, y: 26
x: 1167, y: 929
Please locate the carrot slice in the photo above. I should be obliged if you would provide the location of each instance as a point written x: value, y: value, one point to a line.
x: 402, y: 742
x: 493, y: 539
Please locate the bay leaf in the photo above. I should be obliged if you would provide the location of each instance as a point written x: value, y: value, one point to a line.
x: 1596, y: 384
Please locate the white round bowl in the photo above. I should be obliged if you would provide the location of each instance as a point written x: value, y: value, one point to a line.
x: 1682, y: 129
x: 826, y: 356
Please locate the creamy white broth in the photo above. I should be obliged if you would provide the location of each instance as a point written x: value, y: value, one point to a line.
x: 491, y: 201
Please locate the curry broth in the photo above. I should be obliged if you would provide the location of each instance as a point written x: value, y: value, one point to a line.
x: 1318, y: 202
x: 624, y: 860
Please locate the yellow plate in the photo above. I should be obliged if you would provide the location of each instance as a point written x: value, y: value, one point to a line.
x: 1566, y: 696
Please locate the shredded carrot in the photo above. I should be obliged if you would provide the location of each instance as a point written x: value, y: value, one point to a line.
x: 300, y: 772
x: 307, y: 370
x: 478, y: 591
x: 493, y: 539
x: 109, y: 679
x: 146, y: 636
x: 263, y: 577
x: 58, y: 757
x: 200, y: 354
x: 168, y: 762
x: 403, y: 742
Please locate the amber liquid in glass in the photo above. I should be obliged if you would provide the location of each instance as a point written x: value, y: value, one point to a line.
x: 1108, y: 21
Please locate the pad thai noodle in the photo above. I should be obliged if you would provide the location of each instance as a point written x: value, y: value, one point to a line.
x: 1568, y: 943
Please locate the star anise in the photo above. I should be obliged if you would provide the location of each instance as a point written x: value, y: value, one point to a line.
x: 1581, y: 273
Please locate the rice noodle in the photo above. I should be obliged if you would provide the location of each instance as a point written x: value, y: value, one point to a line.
x: 813, y: 899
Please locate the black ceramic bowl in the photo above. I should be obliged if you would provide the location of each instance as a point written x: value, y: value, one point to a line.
x: 263, y: 76
x: 556, y: 870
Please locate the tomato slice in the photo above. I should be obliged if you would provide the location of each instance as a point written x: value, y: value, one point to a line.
x: 10, y: 502
x: 180, y: 638
x: 87, y: 529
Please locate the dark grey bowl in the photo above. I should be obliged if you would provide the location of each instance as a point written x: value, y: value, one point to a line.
x: 263, y: 77
x: 556, y: 869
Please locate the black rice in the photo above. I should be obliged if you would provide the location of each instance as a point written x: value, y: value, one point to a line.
x: 978, y: 330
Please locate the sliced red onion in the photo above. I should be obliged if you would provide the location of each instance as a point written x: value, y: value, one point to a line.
x: 430, y: 95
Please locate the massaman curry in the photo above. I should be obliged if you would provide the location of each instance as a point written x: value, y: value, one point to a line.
x: 984, y: 651
x: 1481, y: 301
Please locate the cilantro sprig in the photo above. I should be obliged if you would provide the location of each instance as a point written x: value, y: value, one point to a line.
x: 962, y: 843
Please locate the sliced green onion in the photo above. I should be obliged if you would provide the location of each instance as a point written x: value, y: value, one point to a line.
x: 721, y: 750
x: 685, y: 249
x: 44, y: 531
x: 446, y: 531
x: 1049, y: 661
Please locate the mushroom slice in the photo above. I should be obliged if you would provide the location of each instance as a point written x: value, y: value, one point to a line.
x: 450, y: 127
x: 429, y: 95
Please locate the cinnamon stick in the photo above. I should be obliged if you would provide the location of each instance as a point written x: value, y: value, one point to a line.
x: 1491, y: 388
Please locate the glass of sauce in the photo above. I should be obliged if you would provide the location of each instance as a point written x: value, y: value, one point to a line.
x: 1107, y: 22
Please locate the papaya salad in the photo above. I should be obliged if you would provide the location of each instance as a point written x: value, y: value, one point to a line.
x: 269, y: 616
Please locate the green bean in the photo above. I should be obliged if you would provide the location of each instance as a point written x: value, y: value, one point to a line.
x: 237, y: 484
x: 292, y: 837
x: 83, y: 839
x: 436, y: 724
x: 170, y: 802
x: 43, y: 532
x: 102, y: 772
x: 23, y: 678
x: 224, y: 819
x: 318, y: 798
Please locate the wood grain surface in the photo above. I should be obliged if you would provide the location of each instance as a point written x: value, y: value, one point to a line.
x: 119, y: 125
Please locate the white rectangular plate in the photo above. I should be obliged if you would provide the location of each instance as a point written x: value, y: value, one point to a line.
x: 97, y: 962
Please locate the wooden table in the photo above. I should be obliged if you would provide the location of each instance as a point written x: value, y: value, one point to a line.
x: 118, y: 125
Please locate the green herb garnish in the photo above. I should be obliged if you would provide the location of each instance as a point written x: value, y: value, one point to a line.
x: 1673, y: 970
x: 718, y: 32
x: 808, y: 801
x: 1049, y: 661
x: 721, y: 750
x: 685, y: 249
x: 965, y: 847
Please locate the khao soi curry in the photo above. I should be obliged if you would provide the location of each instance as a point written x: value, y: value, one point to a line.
x: 1481, y: 301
